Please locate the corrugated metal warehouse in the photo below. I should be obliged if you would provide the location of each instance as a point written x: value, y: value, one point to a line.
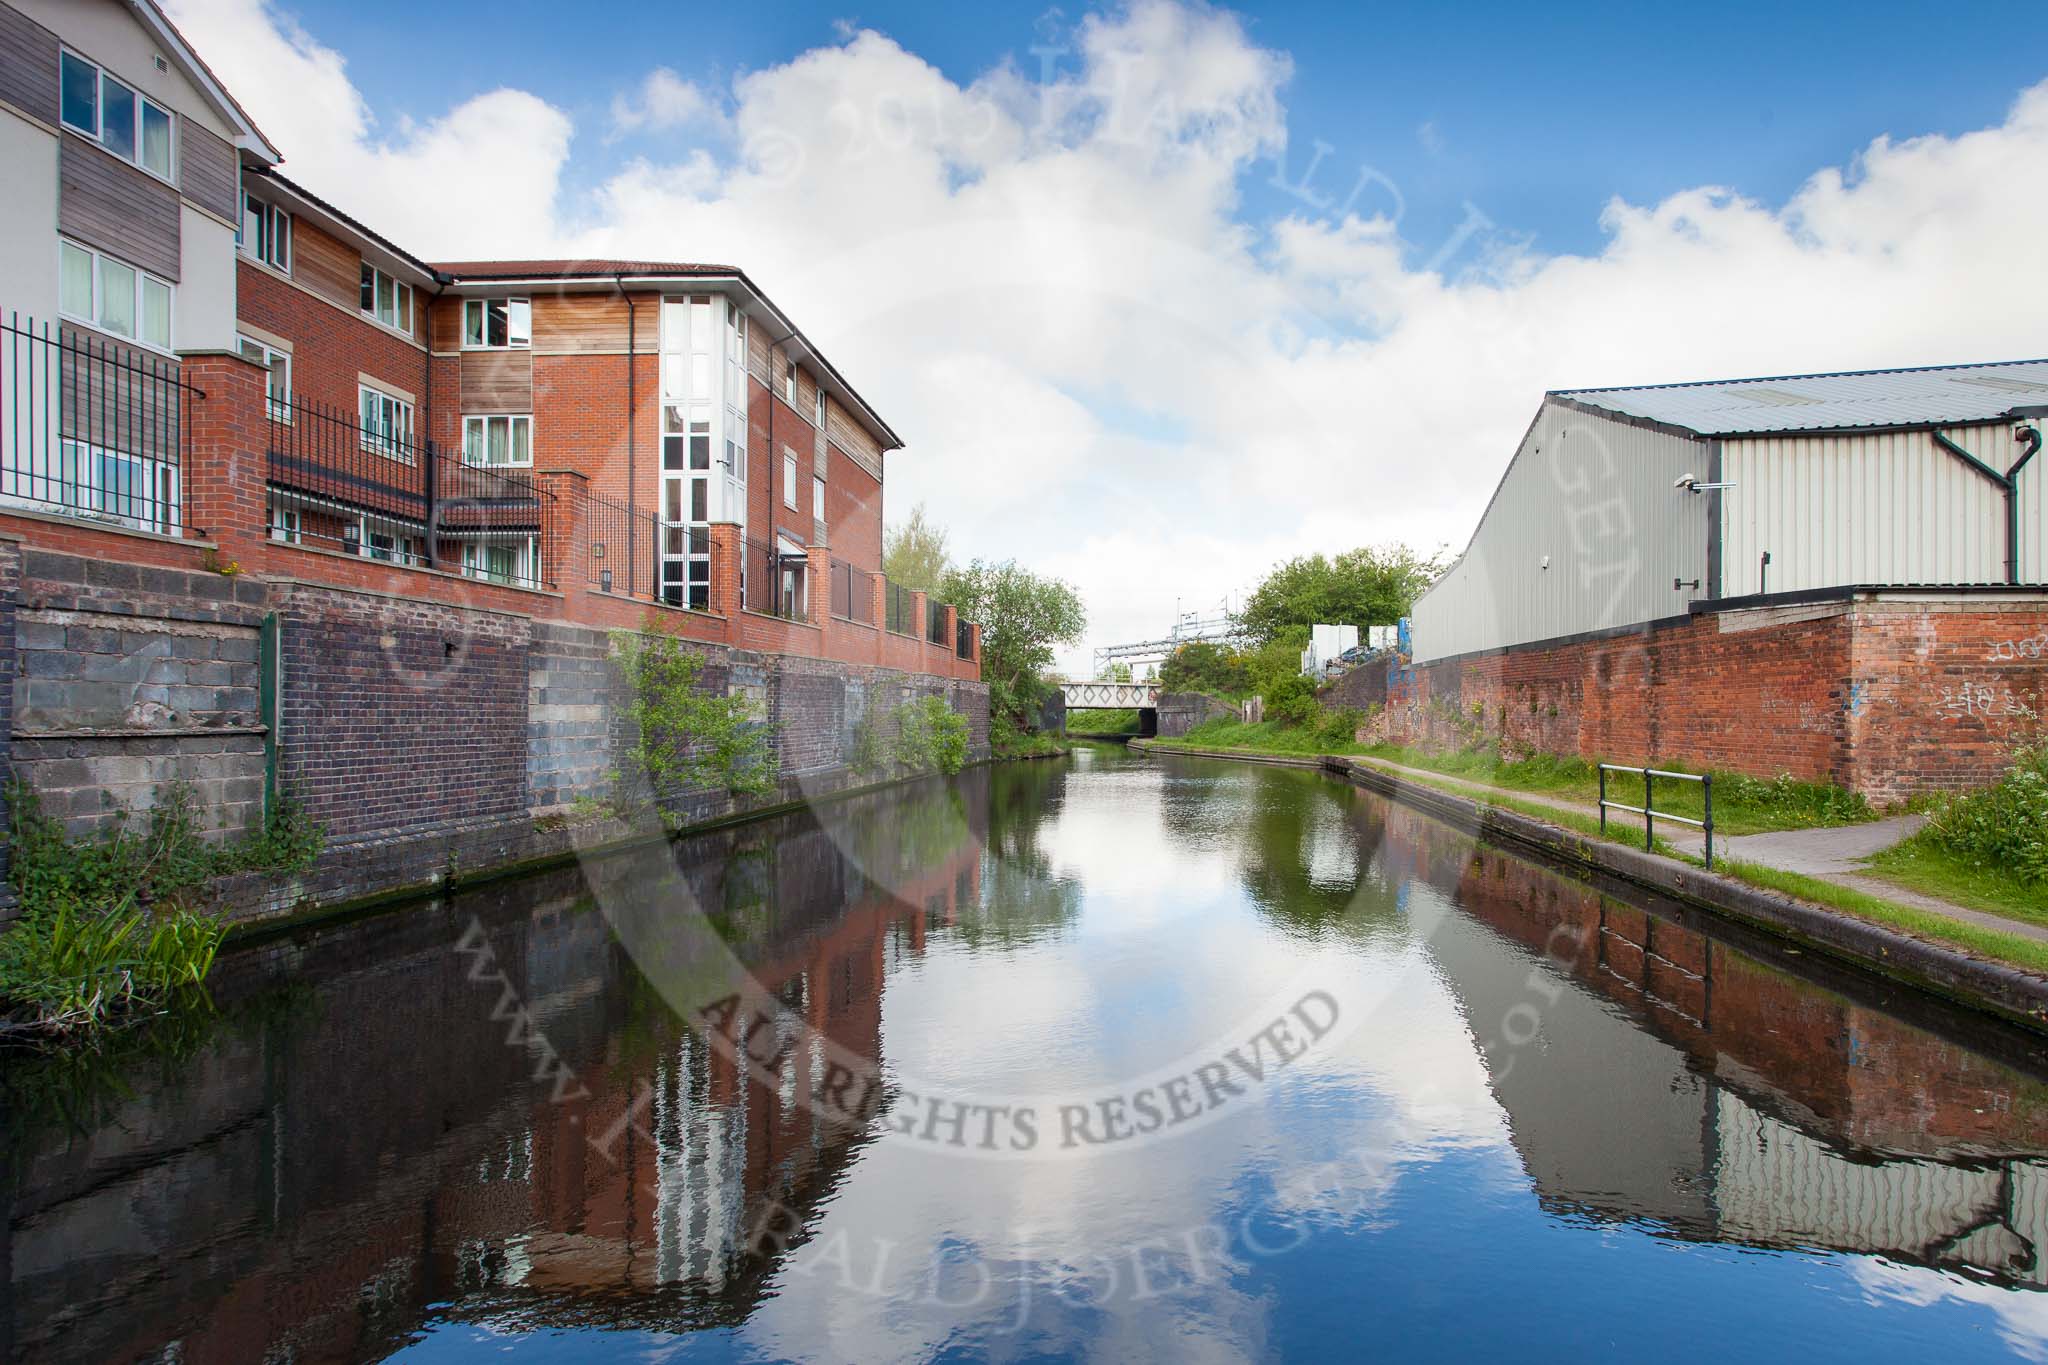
x: 1611, y: 512
x: 1843, y: 577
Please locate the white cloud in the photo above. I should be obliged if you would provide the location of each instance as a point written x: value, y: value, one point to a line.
x: 665, y: 101
x: 1046, y: 284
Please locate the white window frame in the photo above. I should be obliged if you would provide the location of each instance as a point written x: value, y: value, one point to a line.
x: 405, y: 547
x: 86, y: 488
x: 818, y: 498
x: 789, y: 478
x: 518, y: 323
x: 285, y: 524
x: 98, y: 133
x: 271, y: 358
x: 275, y: 250
x: 789, y: 382
x: 382, y: 435
x: 93, y: 318
x: 525, y: 562
x: 402, y: 300
x: 481, y: 422
x: 818, y: 406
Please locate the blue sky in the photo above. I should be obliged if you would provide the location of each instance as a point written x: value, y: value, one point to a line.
x: 1541, y: 113
x: 1111, y: 340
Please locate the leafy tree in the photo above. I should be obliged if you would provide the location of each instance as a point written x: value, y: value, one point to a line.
x: 1024, y: 616
x: 1118, y: 672
x: 1369, y: 586
x: 914, y: 554
x: 1203, y: 666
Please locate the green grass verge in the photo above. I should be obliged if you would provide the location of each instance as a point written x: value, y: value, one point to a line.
x: 1920, y: 864
x: 2012, y: 948
x: 1103, y: 721
x: 1742, y: 805
x: 1269, y: 737
x: 1024, y: 746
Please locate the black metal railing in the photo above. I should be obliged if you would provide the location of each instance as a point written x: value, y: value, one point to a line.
x: 773, y: 580
x: 853, y: 593
x: 899, y: 605
x: 625, y: 548
x: 1651, y: 815
x: 371, y: 490
x: 963, y: 639
x: 92, y: 428
x: 935, y: 622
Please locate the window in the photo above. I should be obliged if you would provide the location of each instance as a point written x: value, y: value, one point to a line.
x: 818, y: 501
x: 378, y: 538
x: 113, y: 296
x: 497, y: 440
x: 789, y: 479
x: 496, y: 324
x: 498, y: 563
x: 130, y: 125
x: 789, y: 382
x: 284, y: 523
x: 387, y: 300
x: 278, y: 387
x: 134, y: 490
x: 387, y: 424
x: 818, y: 406
x: 266, y: 233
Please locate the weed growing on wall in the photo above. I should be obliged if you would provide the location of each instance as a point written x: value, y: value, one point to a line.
x: 2003, y: 827
x: 113, y: 925
x: 686, y: 737
x: 930, y: 737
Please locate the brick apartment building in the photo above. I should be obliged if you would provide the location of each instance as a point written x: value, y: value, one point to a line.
x: 616, y: 427
x: 284, y: 506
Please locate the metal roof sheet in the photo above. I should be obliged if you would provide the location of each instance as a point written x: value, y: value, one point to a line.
x: 1935, y: 396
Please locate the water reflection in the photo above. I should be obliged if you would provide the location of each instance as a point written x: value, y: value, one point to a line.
x: 467, y: 1124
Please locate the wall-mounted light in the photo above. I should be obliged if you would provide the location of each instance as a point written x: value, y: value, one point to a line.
x: 1690, y: 483
x: 604, y: 579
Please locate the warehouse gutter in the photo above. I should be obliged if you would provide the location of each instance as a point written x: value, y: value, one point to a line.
x: 2008, y: 484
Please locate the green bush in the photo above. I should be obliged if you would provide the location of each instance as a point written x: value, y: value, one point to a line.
x: 685, y: 738
x: 162, y: 865
x: 930, y: 737
x: 2002, y: 827
x: 110, y: 924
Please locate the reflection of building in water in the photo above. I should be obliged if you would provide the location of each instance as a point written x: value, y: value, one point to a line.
x: 307, y: 1189
x: 1651, y: 1072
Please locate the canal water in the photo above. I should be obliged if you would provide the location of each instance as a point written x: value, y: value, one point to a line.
x: 1106, y: 1057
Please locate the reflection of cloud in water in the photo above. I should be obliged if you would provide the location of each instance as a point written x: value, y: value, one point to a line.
x: 2022, y: 1314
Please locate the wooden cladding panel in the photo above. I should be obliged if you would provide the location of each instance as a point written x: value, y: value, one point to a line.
x: 497, y: 381
x: 207, y: 172
x: 444, y: 325
x: 589, y: 324
x: 326, y: 265
x: 28, y: 65
x: 120, y: 397
x: 119, y: 208
x: 853, y: 438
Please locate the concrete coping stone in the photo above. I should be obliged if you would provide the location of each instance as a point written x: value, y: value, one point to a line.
x: 166, y: 732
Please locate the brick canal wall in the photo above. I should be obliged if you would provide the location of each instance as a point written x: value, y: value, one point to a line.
x: 1890, y: 694
x: 427, y: 737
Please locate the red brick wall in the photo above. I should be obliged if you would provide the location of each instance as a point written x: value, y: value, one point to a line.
x: 1889, y: 696
x: 853, y: 512
x: 330, y: 346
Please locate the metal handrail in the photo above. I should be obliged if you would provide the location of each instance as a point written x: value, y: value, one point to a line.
x: 1647, y: 809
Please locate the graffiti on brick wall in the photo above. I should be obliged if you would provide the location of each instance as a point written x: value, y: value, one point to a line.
x: 1981, y: 699
x: 2007, y: 651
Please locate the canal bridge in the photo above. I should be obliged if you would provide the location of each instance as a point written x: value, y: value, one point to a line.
x: 1105, y: 694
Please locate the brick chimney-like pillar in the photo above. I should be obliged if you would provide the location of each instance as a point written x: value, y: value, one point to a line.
x: 224, y: 469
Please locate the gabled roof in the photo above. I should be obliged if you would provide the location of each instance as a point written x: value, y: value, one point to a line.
x: 250, y: 138
x: 1940, y: 395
